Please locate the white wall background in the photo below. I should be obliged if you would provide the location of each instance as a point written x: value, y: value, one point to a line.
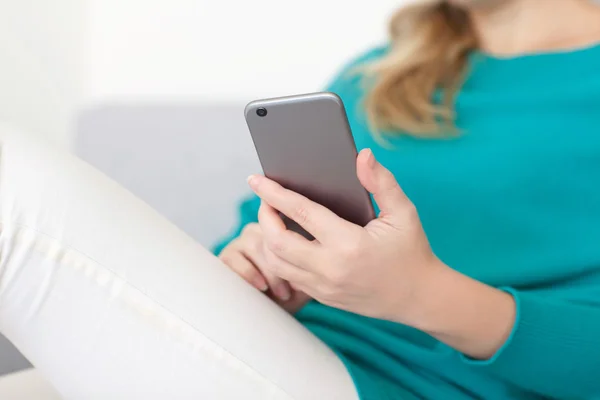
x: 58, y: 56
x: 218, y: 50
x: 41, y: 64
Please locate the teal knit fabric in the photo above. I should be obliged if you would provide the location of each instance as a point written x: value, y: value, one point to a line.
x: 514, y: 202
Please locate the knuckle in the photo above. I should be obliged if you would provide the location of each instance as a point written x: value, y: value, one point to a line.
x: 410, y: 212
x: 351, y: 247
x: 250, y: 240
x: 246, y: 230
x: 338, y: 277
x: 389, y: 181
x: 300, y: 214
x: 276, y: 245
x: 225, y: 257
x: 256, y: 246
x: 252, y: 243
x: 410, y: 207
x: 250, y: 229
x: 328, y: 292
x: 229, y: 251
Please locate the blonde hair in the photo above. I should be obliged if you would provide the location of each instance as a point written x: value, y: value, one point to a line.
x: 430, y: 44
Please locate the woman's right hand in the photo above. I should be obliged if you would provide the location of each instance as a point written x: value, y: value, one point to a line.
x: 245, y: 255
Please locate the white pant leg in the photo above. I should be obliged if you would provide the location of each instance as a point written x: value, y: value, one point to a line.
x: 111, y: 301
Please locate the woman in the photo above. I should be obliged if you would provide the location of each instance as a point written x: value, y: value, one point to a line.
x: 479, y: 279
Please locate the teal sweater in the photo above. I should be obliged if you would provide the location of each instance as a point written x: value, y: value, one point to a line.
x: 513, y: 202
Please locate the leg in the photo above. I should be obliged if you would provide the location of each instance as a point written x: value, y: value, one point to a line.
x: 109, y: 300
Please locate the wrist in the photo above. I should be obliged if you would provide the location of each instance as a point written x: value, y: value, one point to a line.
x: 470, y: 316
x: 428, y: 288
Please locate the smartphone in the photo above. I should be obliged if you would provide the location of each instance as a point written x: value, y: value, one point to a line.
x: 305, y: 144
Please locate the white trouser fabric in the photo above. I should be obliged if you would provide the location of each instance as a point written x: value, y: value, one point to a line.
x: 111, y: 301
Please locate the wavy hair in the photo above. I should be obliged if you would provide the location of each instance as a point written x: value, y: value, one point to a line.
x: 430, y: 44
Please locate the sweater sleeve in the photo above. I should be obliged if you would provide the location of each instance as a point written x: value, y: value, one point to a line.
x: 553, y: 350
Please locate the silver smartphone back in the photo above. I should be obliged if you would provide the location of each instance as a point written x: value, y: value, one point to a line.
x: 304, y: 143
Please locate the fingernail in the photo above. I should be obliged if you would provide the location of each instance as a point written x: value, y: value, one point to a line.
x: 283, y: 292
x: 370, y: 158
x: 252, y: 181
x: 261, y: 285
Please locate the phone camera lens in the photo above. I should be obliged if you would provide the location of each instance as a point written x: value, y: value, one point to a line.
x: 261, y: 112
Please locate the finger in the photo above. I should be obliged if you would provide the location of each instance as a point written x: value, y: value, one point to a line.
x: 287, y: 245
x: 304, y: 290
x: 269, y: 220
x: 239, y: 264
x: 314, y: 218
x: 381, y: 183
x: 292, y: 274
x: 253, y: 251
x: 278, y: 286
x: 296, y: 303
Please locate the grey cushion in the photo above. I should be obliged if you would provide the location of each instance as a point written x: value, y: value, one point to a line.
x: 188, y: 161
x: 10, y: 359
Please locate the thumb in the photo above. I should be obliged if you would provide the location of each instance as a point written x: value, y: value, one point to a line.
x: 381, y: 183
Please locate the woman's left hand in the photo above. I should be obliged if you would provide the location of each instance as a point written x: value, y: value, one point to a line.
x: 376, y: 271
